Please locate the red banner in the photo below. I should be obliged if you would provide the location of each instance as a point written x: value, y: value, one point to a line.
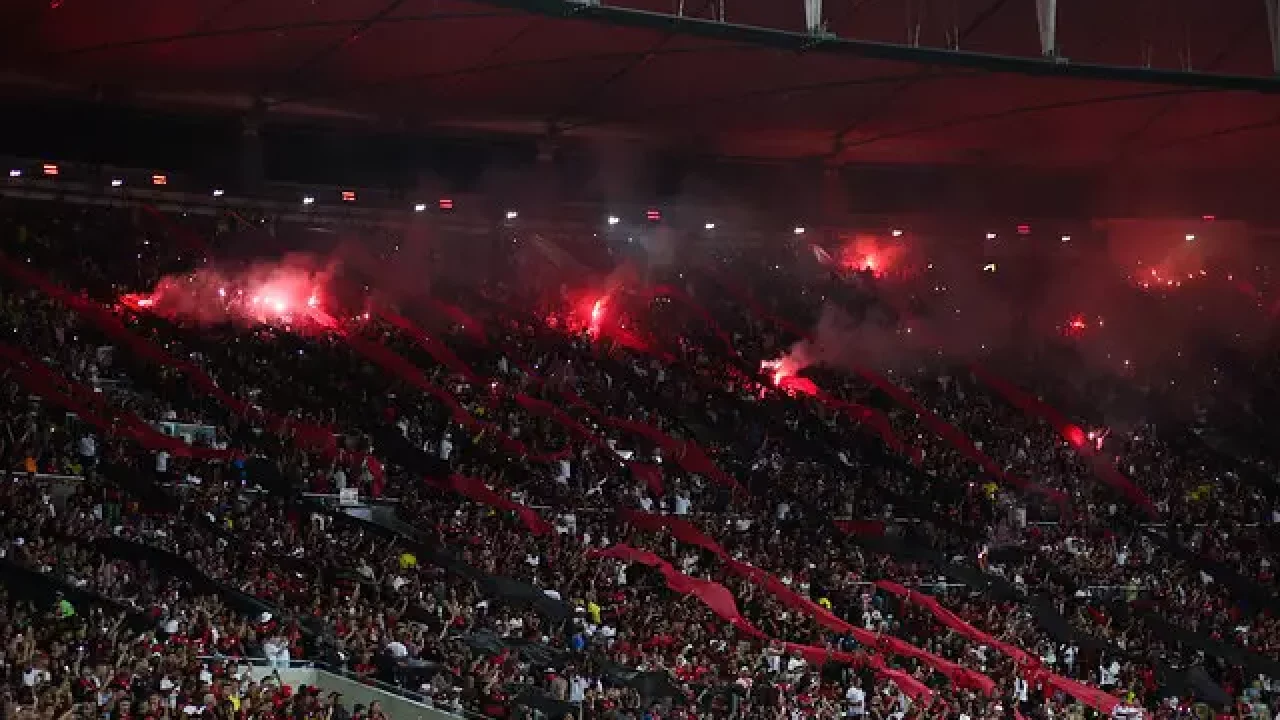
x: 442, y: 353
x: 685, y: 453
x: 391, y: 362
x: 949, y: 433
x: 305, y: 433
x: 92, y: 408
x: 702, y: 313
x: 687, y: 533
x: 475, y: 489
x: 1075, y: 437
x: 720, y: 601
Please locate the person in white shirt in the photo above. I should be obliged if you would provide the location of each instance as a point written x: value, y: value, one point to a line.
x: 88, y: 447
x: 578, y: 688
x: 446, y: 447
x: 856, y: 701
x: 682, y: 503
x: 276, y: 650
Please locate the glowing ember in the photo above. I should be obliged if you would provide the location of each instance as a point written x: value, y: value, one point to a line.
x: 1074, y: 435
x: 597, y: 316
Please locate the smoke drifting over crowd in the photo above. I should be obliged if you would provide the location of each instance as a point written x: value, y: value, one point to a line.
x: 936, y: 296
x: 287, y: 291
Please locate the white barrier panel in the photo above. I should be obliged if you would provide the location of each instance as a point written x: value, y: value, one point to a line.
x: 355, y: 693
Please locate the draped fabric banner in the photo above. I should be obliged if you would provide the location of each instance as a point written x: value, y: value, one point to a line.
x: 475, y: 489
x: 506, y: 590
x: 46, y: 589
x: 391, y: 362
x: 177, y: 566
x: 877, y: 421
x: 685, y: 453
x: 748, y: 300
x: 469, y: 325
x: 1075, y: 437
x: 702, y: 313
x: 308, y: 434
x: 92, y: 408
x: 650, y: 475
x: 1029, y: 665
x: 955, y: 437
x: 949, y: 433
x: 686, y: 532
x: 1251, y: 596
x: 870, y: 528
x: 438, y: 350
x: 1002, y: 590
x: 720, y: 601
x: 1253, y: 662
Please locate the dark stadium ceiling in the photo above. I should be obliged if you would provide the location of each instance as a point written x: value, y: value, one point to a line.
x: 527, y: 66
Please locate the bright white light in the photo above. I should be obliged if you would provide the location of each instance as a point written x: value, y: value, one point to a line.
x: 512, y: 214
x: 710, y: 226
x: 1066, y: 238
x: 1190, y: 237
x: 308, y: 200
x: 798, y: 231
x: 895, y: 232
x: 116, y: 182
x: 15, y: 173
x: 613, y: 220
x: 420, y: 207
x: 219, y: 192
x: 991, y: 236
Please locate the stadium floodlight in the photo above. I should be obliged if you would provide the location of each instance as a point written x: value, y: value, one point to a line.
x: 15, y: 173
x: 308, y: 200
x: 991, y: 236
x: 895, y: 232
x: 512, y: 214
x: 1066, y: 238
x: 798, y: 230
x: 614, y: 220
x: 219, y: 192
x: 117, y: 182
x: 710, y: 226
x: 1190, y: 237
x: 420, y: 207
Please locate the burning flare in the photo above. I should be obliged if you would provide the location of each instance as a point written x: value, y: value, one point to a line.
x: 783, y: 373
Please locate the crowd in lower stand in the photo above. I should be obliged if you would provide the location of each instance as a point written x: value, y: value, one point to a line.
x: 634, y: 526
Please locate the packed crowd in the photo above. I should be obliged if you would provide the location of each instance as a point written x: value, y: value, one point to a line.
x: 763, y: 582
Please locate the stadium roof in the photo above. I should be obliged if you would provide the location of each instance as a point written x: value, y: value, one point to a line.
x: 859, y: 95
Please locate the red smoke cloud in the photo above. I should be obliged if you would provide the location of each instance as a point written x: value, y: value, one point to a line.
x: 291, y: 292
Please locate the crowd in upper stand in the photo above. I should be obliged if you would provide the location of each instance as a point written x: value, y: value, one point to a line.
x: 364, y: 602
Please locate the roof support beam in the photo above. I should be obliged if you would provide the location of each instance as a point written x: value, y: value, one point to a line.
x: 1273, y: 30
x: 813, y: 21
x: 1047, y: 19
x: 937, y: 57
